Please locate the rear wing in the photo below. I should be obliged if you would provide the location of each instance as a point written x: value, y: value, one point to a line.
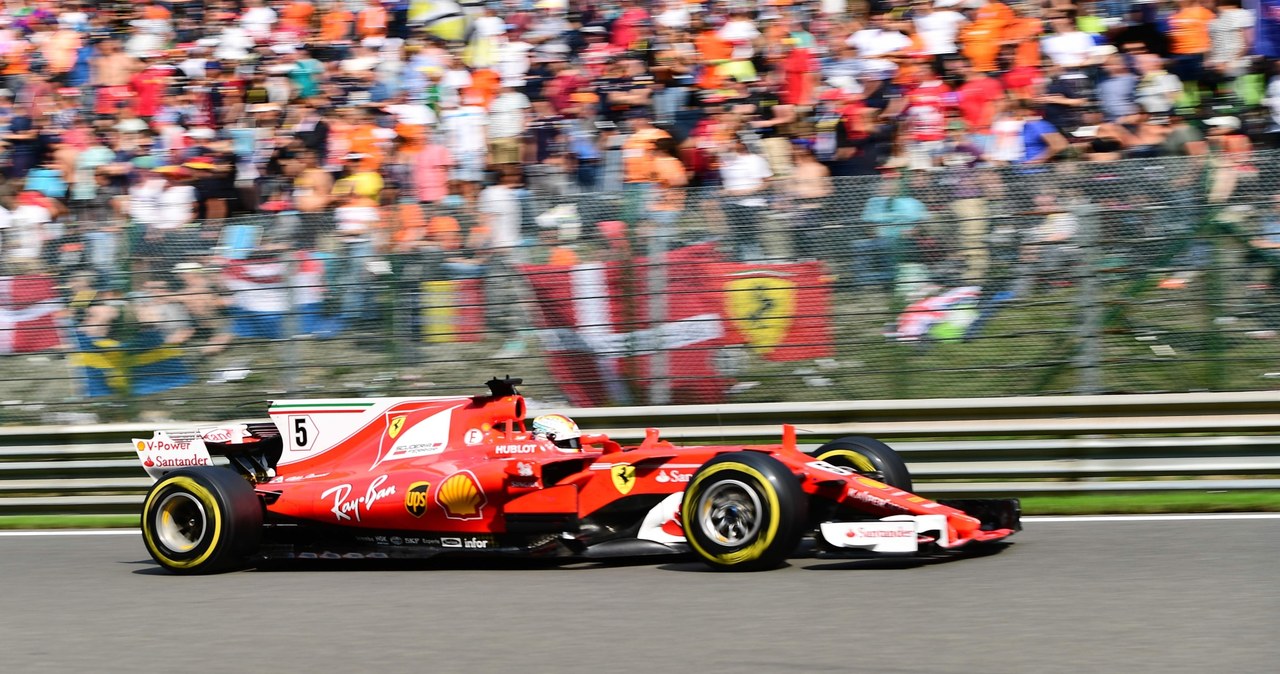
x: 253, y: 449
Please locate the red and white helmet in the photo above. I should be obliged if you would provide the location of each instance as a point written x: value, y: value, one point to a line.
x: 559, y: 429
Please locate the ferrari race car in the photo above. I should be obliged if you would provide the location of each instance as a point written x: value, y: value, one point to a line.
x: 398, y: 478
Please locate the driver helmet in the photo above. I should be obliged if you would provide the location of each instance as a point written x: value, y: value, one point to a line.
x: 559, y: 429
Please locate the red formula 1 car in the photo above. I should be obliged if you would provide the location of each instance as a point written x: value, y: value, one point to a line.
x: 418, y: 477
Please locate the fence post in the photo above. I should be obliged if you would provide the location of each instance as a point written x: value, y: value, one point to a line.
x: 1089, y: 356
x: 289, y: 373
x: 659, y: 364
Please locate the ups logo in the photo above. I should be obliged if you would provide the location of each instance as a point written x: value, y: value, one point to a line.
x: 415, y: 500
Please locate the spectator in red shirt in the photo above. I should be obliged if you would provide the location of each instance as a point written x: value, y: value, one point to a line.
x: 977, y: 99
x: 624, y: 27
x: 927, y: 107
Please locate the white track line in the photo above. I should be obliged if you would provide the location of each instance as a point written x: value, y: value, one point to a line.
x: 70, y: 532
x: 1153, y: 518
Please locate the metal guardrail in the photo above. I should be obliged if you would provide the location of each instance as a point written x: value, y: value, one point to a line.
x: 969, y: 446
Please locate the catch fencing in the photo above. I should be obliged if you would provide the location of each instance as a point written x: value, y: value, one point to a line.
x: 1155, y: 275
x: 954, y: 447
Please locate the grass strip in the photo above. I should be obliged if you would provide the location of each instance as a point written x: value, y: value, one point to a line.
x: 1155, y: 502
x: 68, y: 521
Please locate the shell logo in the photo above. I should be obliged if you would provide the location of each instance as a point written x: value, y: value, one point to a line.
x: 142, y: 446
x: 461, y: 497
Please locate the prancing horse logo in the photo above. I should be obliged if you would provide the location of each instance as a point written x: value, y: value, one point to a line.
x: 396, y: 424
x: 624, y: 477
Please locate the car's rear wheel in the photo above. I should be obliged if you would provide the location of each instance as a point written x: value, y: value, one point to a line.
x: 201, y: 520
x: 868, y: 457
x: 743, y: 511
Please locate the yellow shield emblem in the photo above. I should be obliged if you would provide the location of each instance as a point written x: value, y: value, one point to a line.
x: 761, y: 307
x: 393, y: 429
x: 624, y: 477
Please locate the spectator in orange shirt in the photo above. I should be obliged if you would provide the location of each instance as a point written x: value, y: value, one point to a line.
x: 995, y: 13
x: 637, y: 161
x: 1189, y: 40
x: 335, y: 25
x: 155, y: 11
x: 372, y: 20
x: 485, y: 85
x: 714, y: 52
x: 295, y: 17
x: 1023, y: 34
x: 670, y: 177
x: 981, y: 44
x: 364, y: 139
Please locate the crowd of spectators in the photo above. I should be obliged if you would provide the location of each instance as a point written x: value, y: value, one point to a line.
x: 134, y: 133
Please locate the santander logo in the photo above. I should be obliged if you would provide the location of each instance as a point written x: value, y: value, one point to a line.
x: 218, y: 435
x: 879, y: 533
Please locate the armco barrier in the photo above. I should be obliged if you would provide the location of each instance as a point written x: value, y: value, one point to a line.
x: 969, y: 446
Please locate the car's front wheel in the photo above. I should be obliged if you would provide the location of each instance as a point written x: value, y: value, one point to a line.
x: 867, y: 456
x: 743, y: 511
x: 201, y: 520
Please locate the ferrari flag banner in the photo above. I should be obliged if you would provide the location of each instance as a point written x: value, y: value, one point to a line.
x: 782, y: 311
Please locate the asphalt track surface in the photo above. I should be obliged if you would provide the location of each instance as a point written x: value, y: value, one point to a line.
x: 1068, y: 596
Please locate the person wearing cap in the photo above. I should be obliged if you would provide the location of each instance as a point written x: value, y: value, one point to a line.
x: 1230, y: 146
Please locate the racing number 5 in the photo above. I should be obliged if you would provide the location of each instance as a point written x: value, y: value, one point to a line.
x: 302, y: 432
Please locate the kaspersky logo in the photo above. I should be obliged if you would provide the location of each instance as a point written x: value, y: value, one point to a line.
x: 415, y: 499
x: 624, y: 477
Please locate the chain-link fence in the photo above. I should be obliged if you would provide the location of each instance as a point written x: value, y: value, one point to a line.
x: 1136, y: 276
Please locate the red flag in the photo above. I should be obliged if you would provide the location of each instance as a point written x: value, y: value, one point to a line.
x: 595, y: 328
